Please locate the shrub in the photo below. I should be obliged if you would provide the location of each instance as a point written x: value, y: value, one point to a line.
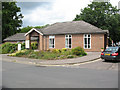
x: 70, y: 56
x: 8, y: 48
x: 78, y: 51
x: 21, y: 53
x: 68, y: 52
x: 22, y: 46
x: 64, y: 49
x: 34, y: 45
x: 56, y: 51
x: 12, y: 47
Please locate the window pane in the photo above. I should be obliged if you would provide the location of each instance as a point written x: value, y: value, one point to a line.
x: 85, y: 35
x: 89, y: 35
x: 70, y: 36
x: 53, y: 41
x: 66, y: 46
x: 69, y: 40
x: 66, y: 35
x: 69, y: 45
x: 85, y: 41
x: 88, y: 40
x: 88, y: 45
x: 50, y: 41
x: 53, y: 46
x: 85, y: 45
x: 66, y: 41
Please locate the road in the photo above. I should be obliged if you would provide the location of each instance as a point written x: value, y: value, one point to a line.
x: 98, y: 65
x: 88, y: 75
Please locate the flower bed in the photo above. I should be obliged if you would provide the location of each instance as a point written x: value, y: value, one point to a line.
x: 51, y: 54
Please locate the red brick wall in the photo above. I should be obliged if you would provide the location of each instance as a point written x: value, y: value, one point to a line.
x: 97, y: 42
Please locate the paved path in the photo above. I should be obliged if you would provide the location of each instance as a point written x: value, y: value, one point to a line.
x: 91, y: 56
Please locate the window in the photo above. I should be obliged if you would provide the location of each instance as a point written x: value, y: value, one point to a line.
x: 87, y: 41
x: 68, y: 41
x: 51, y: 41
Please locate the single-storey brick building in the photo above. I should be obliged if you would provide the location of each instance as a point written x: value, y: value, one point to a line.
x: 69, y: 35
x: 18, y: 37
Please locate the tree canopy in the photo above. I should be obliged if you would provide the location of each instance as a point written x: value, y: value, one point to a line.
x: 26, y: 29
x: 11, y: 19
x: 102, y: 15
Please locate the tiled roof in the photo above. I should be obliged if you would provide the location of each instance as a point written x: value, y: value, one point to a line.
x: 73, y: 27
x: 18, y: 37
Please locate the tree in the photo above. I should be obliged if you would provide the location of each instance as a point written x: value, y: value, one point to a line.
x: 26, y: 29
x: 102, y: 15
x: 11, y: 19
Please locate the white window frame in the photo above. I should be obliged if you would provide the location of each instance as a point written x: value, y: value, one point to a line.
x: 50, y: 45
x: 87, y: 41
x: 68, y: 41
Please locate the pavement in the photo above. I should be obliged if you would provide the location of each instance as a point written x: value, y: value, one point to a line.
x: 91, y: 56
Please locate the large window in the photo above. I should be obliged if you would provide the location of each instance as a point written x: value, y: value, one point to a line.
x: 87, y: 41
x: 68, y: 41
x: 51, y: 41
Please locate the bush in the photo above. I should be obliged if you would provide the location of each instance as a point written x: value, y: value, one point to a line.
x: 64, y: 49
x: 78, y: 51
x: 34, y: 45
x: 8, y: 48
x: 22, y: 46
x: 12, y: 47
x: 56, y: 51
x: 21, y: 53
x: 70, y: 56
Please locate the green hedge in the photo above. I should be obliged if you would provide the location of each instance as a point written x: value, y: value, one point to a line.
x: 12, y: 47
x: 8, y: 48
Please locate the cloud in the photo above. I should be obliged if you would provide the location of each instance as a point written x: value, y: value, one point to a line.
x: 41, y: 13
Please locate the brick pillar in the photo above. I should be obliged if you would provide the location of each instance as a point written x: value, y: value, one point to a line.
x: 41, y: 42
x: 29, y: 38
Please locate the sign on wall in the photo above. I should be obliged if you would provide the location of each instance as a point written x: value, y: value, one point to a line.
x: 27, y: 44
x: 19, y: 47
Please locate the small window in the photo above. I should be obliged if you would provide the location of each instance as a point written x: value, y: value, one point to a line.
x: 68, y: 41
x: 51, y: 41
x: 87, y: 41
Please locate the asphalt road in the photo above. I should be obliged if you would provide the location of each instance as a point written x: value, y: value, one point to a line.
x: 98, y: 65
x: 29, y: 76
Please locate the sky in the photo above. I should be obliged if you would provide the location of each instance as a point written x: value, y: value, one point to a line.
x: 42, y: 12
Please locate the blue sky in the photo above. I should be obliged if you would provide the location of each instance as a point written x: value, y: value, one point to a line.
x: 42, y: 12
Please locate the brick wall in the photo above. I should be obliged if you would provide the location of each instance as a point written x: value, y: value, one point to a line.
x: 97, y: 42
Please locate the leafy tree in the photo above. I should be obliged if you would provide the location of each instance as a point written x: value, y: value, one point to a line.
x: 26, y: 29
x: 11, y: 19
x: 102, y: 15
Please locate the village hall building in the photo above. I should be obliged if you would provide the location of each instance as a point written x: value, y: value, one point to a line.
x: 69, y: 35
